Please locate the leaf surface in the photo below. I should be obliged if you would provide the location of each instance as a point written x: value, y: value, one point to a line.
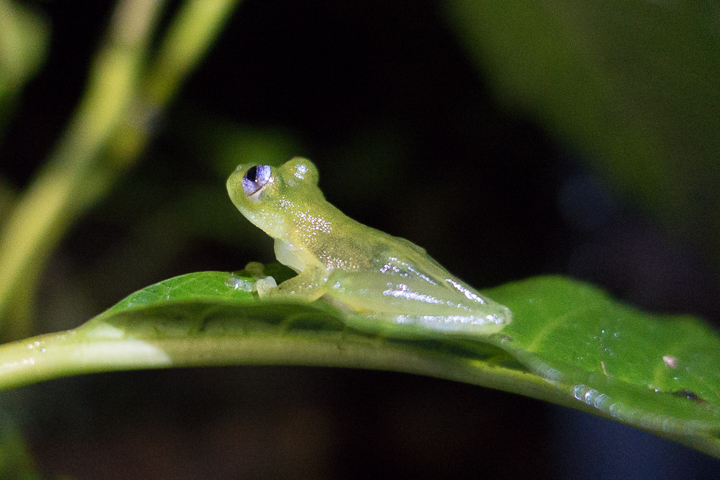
x: 569, y: 343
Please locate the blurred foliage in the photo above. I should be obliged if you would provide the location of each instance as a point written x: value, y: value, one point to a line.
x: 635, y: 86
x: 16, y: 462
x: 23, y: 45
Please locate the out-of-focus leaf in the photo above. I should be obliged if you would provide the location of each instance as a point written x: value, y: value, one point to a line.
x: 23, y: 44
x: 634, y: 85
x: 24, y: 36
x: 7, y: 197
x: 16, y: 463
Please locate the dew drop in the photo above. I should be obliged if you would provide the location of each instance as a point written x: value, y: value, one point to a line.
x: 237, y: 283
x: 670, y: 361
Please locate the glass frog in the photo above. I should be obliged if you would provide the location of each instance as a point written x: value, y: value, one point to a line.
x: 381, y: 280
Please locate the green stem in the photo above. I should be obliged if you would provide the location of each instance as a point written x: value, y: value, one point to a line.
x: 105, y: 138
x: 52, y: 203
x: 106, y: 348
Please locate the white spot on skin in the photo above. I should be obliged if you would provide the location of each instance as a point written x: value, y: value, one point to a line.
x: 310, y: 222
x: 301, y: 171
x: 402, y: 291
x: 670, y: 361
x: 446, y: 322
x: 391, y: 266
x: 468, y: 294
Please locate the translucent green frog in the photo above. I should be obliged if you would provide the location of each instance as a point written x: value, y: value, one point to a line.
x: 380, y: 279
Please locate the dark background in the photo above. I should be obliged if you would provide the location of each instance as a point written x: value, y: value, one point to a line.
x: 409, y: 139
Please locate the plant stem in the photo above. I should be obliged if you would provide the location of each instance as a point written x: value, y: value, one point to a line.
x: 110, y: 129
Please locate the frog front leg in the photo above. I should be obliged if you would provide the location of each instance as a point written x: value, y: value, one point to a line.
x: 307, y: 286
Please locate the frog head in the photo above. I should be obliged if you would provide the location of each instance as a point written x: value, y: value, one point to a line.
x: 268, y: 195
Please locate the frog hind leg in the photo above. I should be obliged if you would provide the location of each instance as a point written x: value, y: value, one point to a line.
x: 424, y: 326
x: 372, y: 307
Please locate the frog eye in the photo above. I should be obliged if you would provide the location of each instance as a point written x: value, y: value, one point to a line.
x: 255, y: 179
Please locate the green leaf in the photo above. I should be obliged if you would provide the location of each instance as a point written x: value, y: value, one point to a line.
x: 656, y: 372
x: 569, y: 343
